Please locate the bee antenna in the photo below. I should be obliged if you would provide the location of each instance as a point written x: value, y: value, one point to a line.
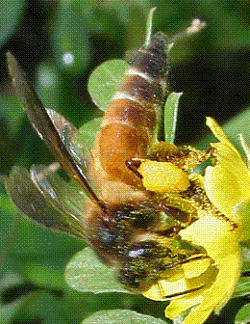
x: 196, y: 26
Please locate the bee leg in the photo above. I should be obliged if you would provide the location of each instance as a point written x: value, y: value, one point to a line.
x: 175, y: 213
x: 163, y: 151
x: 178, y: 208
x: 185, y: 157
x: 191, y: 157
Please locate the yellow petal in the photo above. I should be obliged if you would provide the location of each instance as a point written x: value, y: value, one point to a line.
x: 183, y: 281
x: 163, y: 289
x: 178, y: 306
x: 196, y: 268
x: 227, y: 183
x: 221, y: 244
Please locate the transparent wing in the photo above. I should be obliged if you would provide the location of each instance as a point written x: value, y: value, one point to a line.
x: 58, y: 134
x: 72, y: 140
x: 40, y: 204
x: 65, y: 196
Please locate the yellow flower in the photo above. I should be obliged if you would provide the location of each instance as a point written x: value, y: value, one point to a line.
x: 205, y: 285
x: 227, y: 184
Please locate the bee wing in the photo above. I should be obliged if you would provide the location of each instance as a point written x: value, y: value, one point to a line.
x: 65, y: 196
x: 36, y: 205
x: 56, y: 132
x: 71, y: 139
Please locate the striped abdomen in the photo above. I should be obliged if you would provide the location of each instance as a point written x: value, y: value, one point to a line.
x: 130, y: 120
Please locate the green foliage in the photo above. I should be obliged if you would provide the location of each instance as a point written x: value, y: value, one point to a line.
x: 86, y: 273
x: 104, y: 81
x: 72, y: 53
x: 89, y: 129
x: 243, y: 316
x: 11, y: 12
x: 170, y: 116
x: 121, y: 317
x: 242, y: 288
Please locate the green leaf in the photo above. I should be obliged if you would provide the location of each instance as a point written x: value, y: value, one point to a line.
x: 86, y: 273
x: 170, y: 116
x: 243, y: 315
x: 45, y: 303
x: 243, y: 287
x: 42, y: 305
x: 89, y: 130
x: 11, y: 12
x: 12, y: 116
x: 149, y: 26
x: 104, y: 81
x: 8, y: 312
x: 36, y: 253
x: 71, y: 43
x: 120, y: 316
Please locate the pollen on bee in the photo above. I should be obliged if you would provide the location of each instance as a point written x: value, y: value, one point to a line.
x: 163, y: 177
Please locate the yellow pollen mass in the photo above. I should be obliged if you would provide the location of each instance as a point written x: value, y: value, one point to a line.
x: 163, y: 177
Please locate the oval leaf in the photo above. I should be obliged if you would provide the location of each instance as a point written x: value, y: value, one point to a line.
x: 120, y: 316
x: 104, y: 81
x: 243, y: 316
x: 86, y: 273
x: 170, y: 115
x: 243, y: 287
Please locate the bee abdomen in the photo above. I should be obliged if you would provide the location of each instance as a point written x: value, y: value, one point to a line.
x: 131, y: 117
x: 153, y: 59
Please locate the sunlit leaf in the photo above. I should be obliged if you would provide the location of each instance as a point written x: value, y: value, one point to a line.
x: 104, y: 81
x: 243, y: 316
x: 242, y: 288
x: 170, y: 115
x: 86, y: 273
x: 120, y: 316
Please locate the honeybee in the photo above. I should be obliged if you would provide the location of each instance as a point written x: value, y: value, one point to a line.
x: 129, y: 227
